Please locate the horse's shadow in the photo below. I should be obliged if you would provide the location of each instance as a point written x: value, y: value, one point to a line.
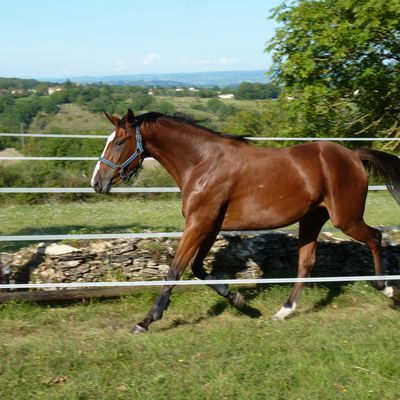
x: 275, y: 255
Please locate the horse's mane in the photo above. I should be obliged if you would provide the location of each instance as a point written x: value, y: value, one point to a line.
x: 152, y: 117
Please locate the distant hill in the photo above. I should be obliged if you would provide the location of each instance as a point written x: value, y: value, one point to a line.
x: 199, y: 79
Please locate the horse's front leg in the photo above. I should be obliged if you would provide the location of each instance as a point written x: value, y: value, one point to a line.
x: 193, y: 236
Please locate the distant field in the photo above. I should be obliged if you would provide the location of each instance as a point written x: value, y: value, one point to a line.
x: 74, y: 118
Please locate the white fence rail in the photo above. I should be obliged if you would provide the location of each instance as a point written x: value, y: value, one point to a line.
x: 200, y: 282
x: 271, y: 138
x: 33, y: 158
x: 90, y: 236
x: 120, y: 190
x: 53, y: 135
x: 113, y: 190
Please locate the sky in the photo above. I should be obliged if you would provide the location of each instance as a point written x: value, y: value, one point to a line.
x: 69, y: 38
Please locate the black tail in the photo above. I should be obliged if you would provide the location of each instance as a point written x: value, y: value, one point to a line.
x: 384, y: 165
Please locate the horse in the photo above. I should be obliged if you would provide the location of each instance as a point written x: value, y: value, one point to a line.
x: 229, y: 184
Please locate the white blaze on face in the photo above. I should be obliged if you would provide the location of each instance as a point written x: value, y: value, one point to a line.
x: 97, y: 167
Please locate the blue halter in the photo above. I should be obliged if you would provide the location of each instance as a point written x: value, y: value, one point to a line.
x: 137, y: 154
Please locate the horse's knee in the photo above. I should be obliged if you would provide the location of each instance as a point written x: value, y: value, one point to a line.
x: 173, y: 274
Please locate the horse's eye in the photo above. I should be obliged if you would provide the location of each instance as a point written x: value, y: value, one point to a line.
x: 119, y: 142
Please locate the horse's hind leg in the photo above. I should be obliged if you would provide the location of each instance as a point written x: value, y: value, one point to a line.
x: 373, y: 239
x: 309, y: 228
x: 234, y: 298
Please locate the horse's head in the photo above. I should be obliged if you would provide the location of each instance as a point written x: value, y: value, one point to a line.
x: 122, y: 156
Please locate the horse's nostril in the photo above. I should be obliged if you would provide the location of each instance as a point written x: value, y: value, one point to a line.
x: 97, y: 186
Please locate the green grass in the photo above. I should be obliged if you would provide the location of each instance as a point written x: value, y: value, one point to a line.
x: 73, y: 118
x: 122, y: 215
x: 113, y: 216
x: 203, y: 349
x: 135, y: 215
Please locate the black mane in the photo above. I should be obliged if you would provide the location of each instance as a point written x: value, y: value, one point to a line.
x: 152, y: 117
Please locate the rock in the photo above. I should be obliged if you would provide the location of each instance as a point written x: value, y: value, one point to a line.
x: 70, y: 264
x: 163, y: 269
x: 82, y: 269
x: 55, y: 249
x: 125, y: 249
x: 247, y: 256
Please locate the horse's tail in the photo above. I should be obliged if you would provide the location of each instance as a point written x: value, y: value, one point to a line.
x: 383, y: 165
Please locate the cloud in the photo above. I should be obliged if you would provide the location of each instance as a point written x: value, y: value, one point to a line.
x: 226, y: 61
x: 151, y: 58
x: 217, y: 62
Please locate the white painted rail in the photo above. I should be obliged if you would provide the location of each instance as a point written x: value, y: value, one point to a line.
x: 200, y: 282
x: 269, y: 138
x: 119, y: 190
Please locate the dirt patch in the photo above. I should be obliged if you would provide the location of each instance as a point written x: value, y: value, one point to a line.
x: 10, y: 152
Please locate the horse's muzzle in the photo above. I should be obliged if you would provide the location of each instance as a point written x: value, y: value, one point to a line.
x: 101, y: 188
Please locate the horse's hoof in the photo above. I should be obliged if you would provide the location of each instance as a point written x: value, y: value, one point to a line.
x: 390, y: 291
x: 138, y: 329
x: 236, y: 299
x: 284, y: 312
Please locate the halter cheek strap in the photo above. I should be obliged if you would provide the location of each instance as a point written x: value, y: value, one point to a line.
x: 137, y: 154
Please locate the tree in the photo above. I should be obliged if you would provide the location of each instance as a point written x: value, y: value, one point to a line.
x: 338, y: 61
x: 256, y: 91
x: 164, y: 107
x: 139, y: 102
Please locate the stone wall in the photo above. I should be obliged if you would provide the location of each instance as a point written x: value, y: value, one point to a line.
x: 265, y: 255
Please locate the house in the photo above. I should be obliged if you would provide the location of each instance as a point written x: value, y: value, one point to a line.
x: 53, y: 89
x: 226, y: 96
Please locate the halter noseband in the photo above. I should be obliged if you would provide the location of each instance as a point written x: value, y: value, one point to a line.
x: 137, y: 154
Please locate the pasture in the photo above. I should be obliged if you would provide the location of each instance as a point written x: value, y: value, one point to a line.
x: 342, y: 342
x: 119, y: 214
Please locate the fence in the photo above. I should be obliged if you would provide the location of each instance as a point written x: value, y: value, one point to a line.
x: 153, y: 234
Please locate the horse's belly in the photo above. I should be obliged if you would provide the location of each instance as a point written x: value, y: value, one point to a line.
x: 253, y: 215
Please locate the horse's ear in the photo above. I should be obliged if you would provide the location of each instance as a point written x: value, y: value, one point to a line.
x: 130, y: 117
x: 114, y: 120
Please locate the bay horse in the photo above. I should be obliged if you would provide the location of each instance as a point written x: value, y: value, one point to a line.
x: 228, y: 184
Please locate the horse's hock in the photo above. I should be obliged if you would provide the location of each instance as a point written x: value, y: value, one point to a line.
x: 265, y: 255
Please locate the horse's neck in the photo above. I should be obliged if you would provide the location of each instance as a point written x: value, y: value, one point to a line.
x: 176, y: 146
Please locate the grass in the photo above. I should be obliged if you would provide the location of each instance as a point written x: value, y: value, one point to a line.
x: 75, y: 118
x: 72, y: 118
x: 204, y: 349
x: 117, y: 215
x: 136, y: 214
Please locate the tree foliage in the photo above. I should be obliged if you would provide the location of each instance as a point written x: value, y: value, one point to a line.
x: 338, y: 61
x: 33, y: 106
x: 256, y: 91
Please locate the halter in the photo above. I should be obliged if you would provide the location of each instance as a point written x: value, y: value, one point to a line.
x: 120, y: 168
